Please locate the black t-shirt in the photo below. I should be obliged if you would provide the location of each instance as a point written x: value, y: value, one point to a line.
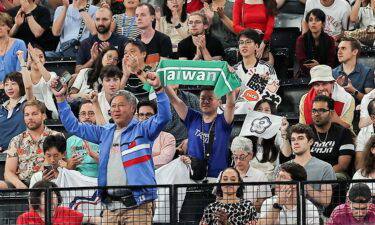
x: 84, y: 53
x: 187, y: 49
x: 329, y: 146
x: 159, y: 46
x: 42, y: 16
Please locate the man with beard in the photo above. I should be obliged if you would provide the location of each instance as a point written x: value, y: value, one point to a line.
x: 200, y: 45
x: 301, y: 137
x: 82, y: 155
x: 25, y: 155
x: 92, y: 46
x: 323, y: 83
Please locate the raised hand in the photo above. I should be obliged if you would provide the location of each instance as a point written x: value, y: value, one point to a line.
x: 93, y: 96
x: 153, y: 79
x: 90, y: 152
x: 94, y: 51
x: 20, y: 18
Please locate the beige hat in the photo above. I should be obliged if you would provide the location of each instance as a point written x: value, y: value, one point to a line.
x: 321, y: 73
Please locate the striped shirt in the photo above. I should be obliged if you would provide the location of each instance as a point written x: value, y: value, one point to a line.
x: 126, y: 26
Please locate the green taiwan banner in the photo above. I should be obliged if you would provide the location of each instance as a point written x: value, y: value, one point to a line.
x: 198, y: 72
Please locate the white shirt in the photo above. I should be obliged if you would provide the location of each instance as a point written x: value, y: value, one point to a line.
x: 337, y: 15
x: 366, y: 16
x: 358, y: 176
x: 254, y: 192
x: 363, y: 136
x: 364, y: 103
x: 104, y: 106
x: 80, y: 83
x: 42, y: 93
x: 289, y: 216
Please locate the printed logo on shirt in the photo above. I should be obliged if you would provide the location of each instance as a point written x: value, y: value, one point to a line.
x: 324, y: 147
x: 199, y: 134
x: 115, y: 148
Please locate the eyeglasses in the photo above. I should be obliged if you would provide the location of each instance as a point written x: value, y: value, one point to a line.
x: 246, y: 42
x: 241, y: 157
x: 195, y: 22
x: 319, y: 111
x: 89, y: 114
x: 147, y: 115
x: 111, y: 58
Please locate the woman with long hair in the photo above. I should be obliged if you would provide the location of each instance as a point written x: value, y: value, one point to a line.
x: 266, y: 151
x: 367, y: 164
x: 230, y: 206
x: 174, y: 22
x: 88, y: 79
x: 363, y: 12
x: 315, y: 47
x: 258, y: 15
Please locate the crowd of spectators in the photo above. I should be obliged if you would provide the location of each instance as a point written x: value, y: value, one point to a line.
x: 119, y: 133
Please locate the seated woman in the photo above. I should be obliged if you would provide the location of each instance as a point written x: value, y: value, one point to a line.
x: 60, y: 215
x: 174, y: 22
x: 41, y: 78
x: 266, y: 151
x: 230, y: 207
x: 125, y: 23
x: 367, y: 166
x: 363, y: 13
x: 315, y: 47
x: 88, y: 79
x: 18, y: 89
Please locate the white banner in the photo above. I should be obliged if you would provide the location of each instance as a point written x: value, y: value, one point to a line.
x: 260, y: 125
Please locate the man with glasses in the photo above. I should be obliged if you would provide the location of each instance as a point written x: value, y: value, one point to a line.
x: 242, y: 154
x: 93, y: 45
x: 80, y: 156
x: 164, y: 146
x: 200, y: 45
x: 357, y: 210
x: 323, y: 83
x: 282, y: 208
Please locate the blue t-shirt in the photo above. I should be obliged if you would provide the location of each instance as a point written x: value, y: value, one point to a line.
x: 9, y: 61
x: 88, y: 166
x: 362, y: 76
x: 12, y: 126
x: 220, y: 151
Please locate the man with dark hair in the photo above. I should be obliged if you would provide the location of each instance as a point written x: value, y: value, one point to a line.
x: 356, y: 78
x: 158, y: 45
x: 125, y: 152
x: 323, y: 83
x: 164, y: 146
x: 25, y: 155
x: 364, y: 134
x: 82, y: 155
x: 200, y: 45
x: 333, y: 143
x: 358, y: 210
x: 93, y: 45
x: 282, y: 208
x: 301, y: 137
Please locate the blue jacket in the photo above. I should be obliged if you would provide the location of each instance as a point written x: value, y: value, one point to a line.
x: 136, y: 145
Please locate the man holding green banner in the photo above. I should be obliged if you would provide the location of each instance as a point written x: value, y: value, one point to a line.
x: 208, y: 131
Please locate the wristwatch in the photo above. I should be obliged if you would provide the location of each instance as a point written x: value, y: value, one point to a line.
x: 178, y: 26
x: 28, y: 14
x: 277, y: 206
x: 82, y: 10
x: 356, y: 92
x: 139, y: 72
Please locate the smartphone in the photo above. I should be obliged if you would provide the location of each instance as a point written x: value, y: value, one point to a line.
x: 309, y: 61
x: 346, y: 78
x: 64, y: 79
x: 48, y: 167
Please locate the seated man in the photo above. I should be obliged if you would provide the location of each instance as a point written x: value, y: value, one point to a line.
x: 92, y: 46
x: 164, y: 146
x: 282, y: 208
x: 83, y: 156
x: 302, y: 138
x: 200, y: 45
x: 357, y: 210
x: 323, y: 83
x: 242, y: 154
x: 25, y: 155
x: 356, y: 78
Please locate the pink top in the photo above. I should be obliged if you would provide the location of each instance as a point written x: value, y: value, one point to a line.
x: 163, y: 149
x: 343, y: 215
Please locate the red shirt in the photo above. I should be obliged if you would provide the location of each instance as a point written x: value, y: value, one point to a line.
x: 193, y: 5
x: 254, y: 16
x: 62, y: 216
x: 343, y: 215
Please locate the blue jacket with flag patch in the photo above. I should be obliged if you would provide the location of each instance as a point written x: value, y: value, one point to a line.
x: 136, y: 145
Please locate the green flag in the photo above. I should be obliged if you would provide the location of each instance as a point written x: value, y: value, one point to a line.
x: 198, y: 72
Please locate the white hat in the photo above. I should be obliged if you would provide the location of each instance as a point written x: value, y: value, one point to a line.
x: 321, y: 73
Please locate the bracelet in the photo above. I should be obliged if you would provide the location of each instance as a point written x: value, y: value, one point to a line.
x: 82, y: 10
x: 158, y: 89
x: 28, y: 14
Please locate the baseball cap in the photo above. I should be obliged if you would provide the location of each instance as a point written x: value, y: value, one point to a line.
x: 321, y: 73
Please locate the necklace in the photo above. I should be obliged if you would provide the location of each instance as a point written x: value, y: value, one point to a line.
x: 208, y: 137
x: 317, y: 134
